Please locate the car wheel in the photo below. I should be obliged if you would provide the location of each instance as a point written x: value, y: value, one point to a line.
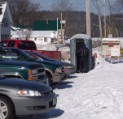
x: 49, y: 79
x: 6, y: 108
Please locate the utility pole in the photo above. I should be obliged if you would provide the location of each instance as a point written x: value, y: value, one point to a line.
x: 88, y: 21
x: 61, y: 30
x: 105, y: 34
x: 57, y: 29
x: 100, y: 24
x: 99, y: 16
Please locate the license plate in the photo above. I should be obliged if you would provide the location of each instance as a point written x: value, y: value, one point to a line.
x: 54, y: 101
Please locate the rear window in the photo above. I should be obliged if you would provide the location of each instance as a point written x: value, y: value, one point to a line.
x: 26, y: 45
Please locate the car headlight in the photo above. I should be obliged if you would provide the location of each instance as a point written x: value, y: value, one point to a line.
x: 34, y: 71
x: 26, y: 92
x: 58, y: 70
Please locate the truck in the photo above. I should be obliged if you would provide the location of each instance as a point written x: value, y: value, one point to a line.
x: 30, y: 71
x: 31, y: 46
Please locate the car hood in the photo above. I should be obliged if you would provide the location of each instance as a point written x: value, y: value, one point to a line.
x: 49, y: 62
x: 67, y: 64
x: 59, y: 62
x: 23, y: 84
x: 21, y: 63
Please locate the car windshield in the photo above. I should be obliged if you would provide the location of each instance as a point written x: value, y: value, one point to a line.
x: 35, y: 57
x: 43, y: 57
x: 14, y: 54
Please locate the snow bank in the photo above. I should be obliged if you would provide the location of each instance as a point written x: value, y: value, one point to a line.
x: 103, y: 105
x: 97, y: 94
x: 65, y: 52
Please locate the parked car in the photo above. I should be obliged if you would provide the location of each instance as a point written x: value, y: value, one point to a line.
x: 21, y: 97
x: 31, y: 71
x: 68, y: 67
x: 54, y: 71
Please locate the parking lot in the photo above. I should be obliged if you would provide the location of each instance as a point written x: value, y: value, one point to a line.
x: 93, y: 95
x: 57, y: 112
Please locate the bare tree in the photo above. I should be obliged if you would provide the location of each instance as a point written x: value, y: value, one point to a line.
x: 119, y: 2
x: 23, y: 11
x: 62, y: 5
x: 117, y: 7
x: 115, y: 17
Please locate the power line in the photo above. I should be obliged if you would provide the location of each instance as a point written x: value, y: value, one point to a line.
x: 95, y: 5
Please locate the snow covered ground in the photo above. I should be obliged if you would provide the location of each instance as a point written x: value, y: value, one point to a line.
x: 94, y: 95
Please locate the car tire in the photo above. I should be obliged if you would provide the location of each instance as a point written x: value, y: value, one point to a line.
x: 6, y: 108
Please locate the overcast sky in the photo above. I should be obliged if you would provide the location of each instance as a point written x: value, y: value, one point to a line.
x: 78, y: 5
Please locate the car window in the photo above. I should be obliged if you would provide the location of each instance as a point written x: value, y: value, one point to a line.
x: 34, y: 56
x: 31, y: 45
x: 8, y: 54
x: 26, y: 45
x: 12, y: 54
x: 3, y: 43
x: 22, y: 45
x: 20, y: 55
x: 11, y: 44
x: 43, y: 57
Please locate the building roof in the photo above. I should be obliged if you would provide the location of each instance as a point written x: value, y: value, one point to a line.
x: 80, y: 36
x: 46, y: 25
x: 3, y: 8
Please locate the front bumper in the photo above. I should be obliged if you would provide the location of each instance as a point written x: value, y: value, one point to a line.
x: 69, y: 71
x: 34, y: 105
x: 57, y: 78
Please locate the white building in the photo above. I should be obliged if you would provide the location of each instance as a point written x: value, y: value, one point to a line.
x: 5, y: 21
x: 43, y: 37
x: 42, y: 32
x: 39, y: 37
